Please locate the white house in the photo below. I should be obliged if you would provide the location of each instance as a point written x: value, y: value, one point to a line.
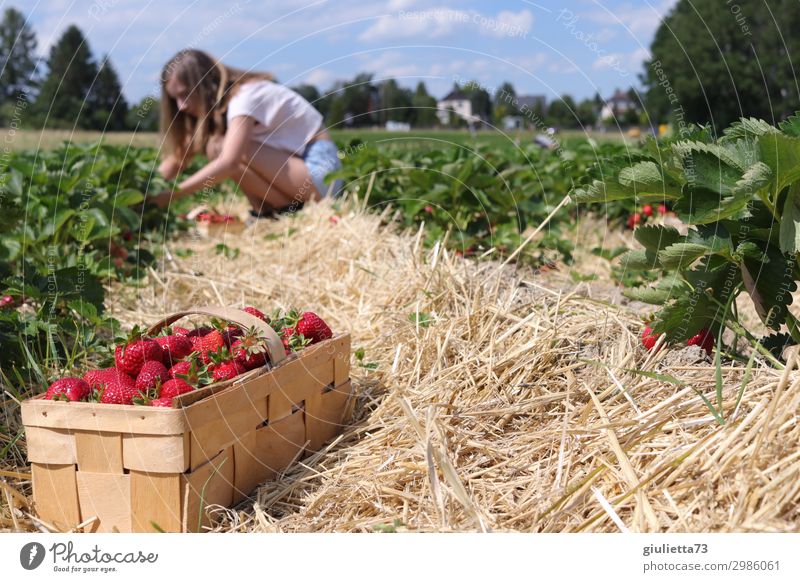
x: 619, y: 104
x: 458, y: 102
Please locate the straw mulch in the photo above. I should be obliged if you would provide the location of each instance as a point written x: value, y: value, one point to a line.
x: 514, y: 409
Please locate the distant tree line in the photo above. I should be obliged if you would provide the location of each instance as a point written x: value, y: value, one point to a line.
x: 76, y: 91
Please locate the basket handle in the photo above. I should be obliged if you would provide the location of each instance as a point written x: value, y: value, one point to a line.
x: 243, y: 319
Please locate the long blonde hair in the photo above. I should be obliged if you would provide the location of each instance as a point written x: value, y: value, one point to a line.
x: 213, y: 84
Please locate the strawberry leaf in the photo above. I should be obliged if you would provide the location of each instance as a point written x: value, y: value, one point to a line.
x: 747, y: 128
x: 656, y: 237
x: 790, y: 222
x: 791, y: 126
x: 639, y: 260
x: 646, y: 180
x: 782, y: 154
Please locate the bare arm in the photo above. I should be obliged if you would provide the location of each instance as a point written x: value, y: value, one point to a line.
x: 224, y: 165
x: 175, y: 163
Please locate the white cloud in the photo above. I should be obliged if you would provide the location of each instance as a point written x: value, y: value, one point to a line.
x: 319, y: 78
x: 641, y: 21
x: 623, y: 63
x: 441, y: 22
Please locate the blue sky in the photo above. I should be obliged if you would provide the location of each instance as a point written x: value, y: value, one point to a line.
x: 574, y: 46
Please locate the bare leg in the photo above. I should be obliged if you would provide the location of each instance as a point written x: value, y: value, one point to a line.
x: 285, y: 173
x: 262, y: 195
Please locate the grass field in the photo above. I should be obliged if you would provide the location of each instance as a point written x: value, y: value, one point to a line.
x: 48, y: 139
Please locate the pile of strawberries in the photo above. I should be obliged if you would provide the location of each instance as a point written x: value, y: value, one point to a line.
x: 151, y: 371
x: 645, y: 214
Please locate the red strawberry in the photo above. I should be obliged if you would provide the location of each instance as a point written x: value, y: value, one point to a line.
x: 429, y: 209
x: 72, y: 389
x: 704, y: 339
x: 151, y: 375
x: 286, y: 337
x: 174, y: 347
x: 256, y: 312
x: 119, y: 391
x: 227, y: 370
x: 200, y: 331
x: 181, y: 368
x: 166, y: 402
x: 180, y: 331
x: 99, y: 378
x: 334, y: 219
x: 6, y: 301
x: 311, y: 326
x: 131, y: 357
x: 173, y: 388
x: 230, y: 335
x: 208, y: 344
x: 250, y: 351
x: 648, y: 338
x: 634, y: 219
x: 190, y: 371
x: 647, y: 210
x: 662, y: 209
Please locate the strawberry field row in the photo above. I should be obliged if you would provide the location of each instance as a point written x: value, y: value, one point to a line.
x: 72, y: 219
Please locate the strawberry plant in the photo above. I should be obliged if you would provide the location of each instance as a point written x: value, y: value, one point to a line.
x: 72, y: 220
x: 738, y: 196
x: 484, y: 196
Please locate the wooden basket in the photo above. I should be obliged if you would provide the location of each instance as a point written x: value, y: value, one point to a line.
x: 143, y: 469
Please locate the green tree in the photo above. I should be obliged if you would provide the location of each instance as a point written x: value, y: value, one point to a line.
x: 503, y: 105
x: 395, y: 102
x: 144, y: 115
x: 354, y: 100
x: 480, y: 99
x: 562, y: 112
x: 17, y: 56
x: 713, y: 63
x: 71, y: 70
x: 424, y: 107
x: 586, y: 113
x: 108, y: 106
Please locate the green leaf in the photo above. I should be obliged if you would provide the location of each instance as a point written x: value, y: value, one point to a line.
x: 703, y: 206
x: 656, y: 237
x: 685, y: 316
x: 790, y: 222
x: 791, y: 126
x: 770, y: 284
x: 420, y: 318
x: 128, y: 197
x: 750, y: 250
x: 756, y: 177
x: 682, y: 255
x: 645, y: 178
x: 639, y: 260
x: 782, y: 154
x: 86, y: 310
x: 650, y: 295
x: 747, y: 128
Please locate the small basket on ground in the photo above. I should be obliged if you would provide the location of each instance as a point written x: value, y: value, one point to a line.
x: 147, y: 469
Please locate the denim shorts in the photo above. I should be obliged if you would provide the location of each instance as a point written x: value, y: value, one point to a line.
x: 322, y: 157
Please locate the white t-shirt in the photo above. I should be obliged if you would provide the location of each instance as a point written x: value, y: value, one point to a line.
x: 286, y: 121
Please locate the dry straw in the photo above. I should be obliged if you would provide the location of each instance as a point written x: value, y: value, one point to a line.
x: 509, y: 404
